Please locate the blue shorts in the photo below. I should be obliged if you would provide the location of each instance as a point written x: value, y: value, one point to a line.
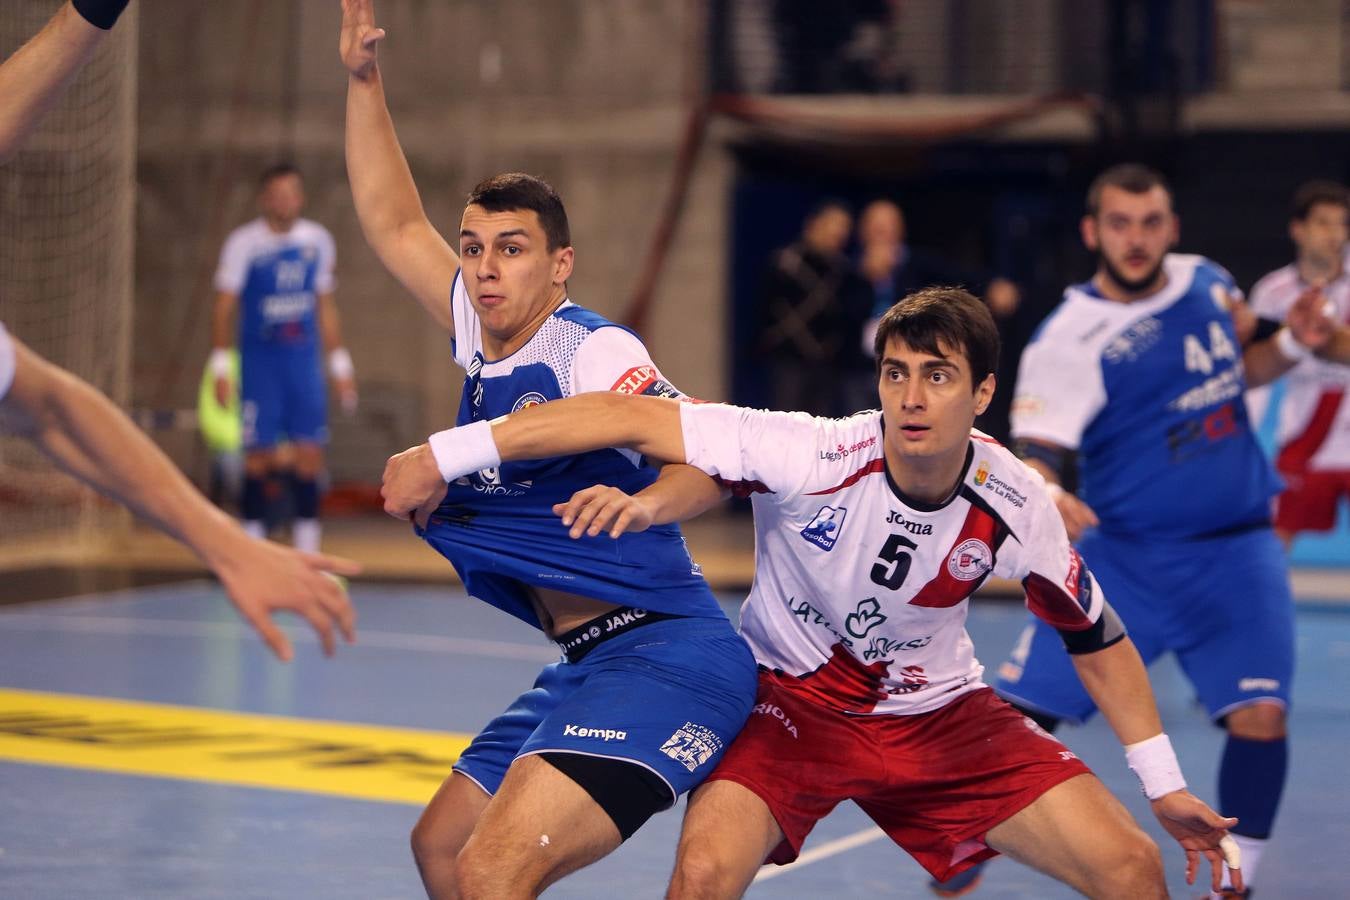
x: 669, y: 696
x: 283, y: 396
x: 1222, y: 605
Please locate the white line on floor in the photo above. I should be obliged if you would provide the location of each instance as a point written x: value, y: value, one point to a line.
x: 824, y: 851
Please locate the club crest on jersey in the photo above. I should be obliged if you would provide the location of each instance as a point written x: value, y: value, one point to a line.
x: 981, y: 473
x: 533, y: 398
x: 824, y: 529
x: 970, y: 560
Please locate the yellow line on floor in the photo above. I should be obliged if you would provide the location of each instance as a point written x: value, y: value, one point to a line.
x: 401, y: 765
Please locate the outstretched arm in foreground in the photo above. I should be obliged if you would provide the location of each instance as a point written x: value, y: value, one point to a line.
x: 85, y: 434
x: 1117, y: 681
x: 391, y: 213
x: 32, y: 78
x: 649, y: 425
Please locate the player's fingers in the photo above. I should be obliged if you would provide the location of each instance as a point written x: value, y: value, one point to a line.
x: 272, y: 636
x: 1192, y: 862
x: 621, y: 522
x: 371, y: 38
x: 338, y: 565
x: 568, y: 511
x: 339, y: 607
x: 586, y: 516
x: 1232, y: 853
x: 318, y: 619
x: 609, y: 508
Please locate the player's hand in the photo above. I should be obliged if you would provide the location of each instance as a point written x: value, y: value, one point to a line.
x: 347, y: 396
x: 603, y: 508
x: 263, y: 578
x: 359, y: 37
x: 1308, y: 318
x: 1077, y: 515
x: 1200, y: 831
x: 1244, y: 319
x: 224, y: 392
x: 412, y: 481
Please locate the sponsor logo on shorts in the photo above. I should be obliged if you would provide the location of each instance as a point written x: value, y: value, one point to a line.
x: 1067, y: 755
x: 970, y: 560
x: 533, y: 398
x: 1259, y: 684
x: 823, y: 530
x: 692, y: 745
x: 769, y: 709
x: 602, y: 734
x: 590, y: 634
x: 844, y: 451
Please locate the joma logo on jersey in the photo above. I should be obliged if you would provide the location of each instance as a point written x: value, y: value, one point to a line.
x: 897, y: 518
x: 823, y: 530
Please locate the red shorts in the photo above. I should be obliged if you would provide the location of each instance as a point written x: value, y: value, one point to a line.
x: 1309, y: 500
x: 935, y: 782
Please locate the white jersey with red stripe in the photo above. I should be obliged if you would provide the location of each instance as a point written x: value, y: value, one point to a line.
x: 1314, y: 420
x: 863, y: 592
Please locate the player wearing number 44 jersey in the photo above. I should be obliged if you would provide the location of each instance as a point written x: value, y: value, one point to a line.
x: 1140, y: 372
x: 872, y: 532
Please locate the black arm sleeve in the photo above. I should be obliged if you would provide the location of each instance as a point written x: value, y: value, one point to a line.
x: 1107, y: 630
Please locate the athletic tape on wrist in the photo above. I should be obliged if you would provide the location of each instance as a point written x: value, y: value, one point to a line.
x: 221, y: 364
x: 1289, y: 346
x: 100, y: 13
x: 1155, y: 764
x: 469, y: 448
x: 340, y: 363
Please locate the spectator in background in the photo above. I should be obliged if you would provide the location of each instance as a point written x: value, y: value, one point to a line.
x: 890, y: 269
x: 1313, y: 434
x: 804, y: 313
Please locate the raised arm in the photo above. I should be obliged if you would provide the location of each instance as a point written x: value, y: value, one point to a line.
x: 32, y: 79
x: 87, y: 436
x: 387, y: 204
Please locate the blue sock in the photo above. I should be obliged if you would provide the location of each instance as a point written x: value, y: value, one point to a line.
x: 1251, y: 780
x: 305, y: 492
x: 253, y: 505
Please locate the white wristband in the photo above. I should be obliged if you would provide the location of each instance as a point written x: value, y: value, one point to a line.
x: 469, y: 448
x: 340, y: 364
x: 1156, y: 766
x: 1289, y: 346
x: 222, y: 366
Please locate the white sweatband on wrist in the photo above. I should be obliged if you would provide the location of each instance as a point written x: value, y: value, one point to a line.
x: 340, y: 364
x: 222, y: 366
x: 1156, y: 766
x: 1289, y: 346
x: 469, y: 448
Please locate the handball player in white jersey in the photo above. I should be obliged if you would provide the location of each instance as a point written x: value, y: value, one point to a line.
x: 872, y: 532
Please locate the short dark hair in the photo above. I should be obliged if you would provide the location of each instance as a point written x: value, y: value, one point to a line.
x: 951, y: 315
x: 1311, y: 193
x: 1134, y: 178
x: 514, y: 191
x: 826, y: 205
x: 278, y: 170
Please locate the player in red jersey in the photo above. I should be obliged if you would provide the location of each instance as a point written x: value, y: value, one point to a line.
x: 872, y: 532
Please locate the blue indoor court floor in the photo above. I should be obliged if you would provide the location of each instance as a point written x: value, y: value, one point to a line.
x: 429, y: 669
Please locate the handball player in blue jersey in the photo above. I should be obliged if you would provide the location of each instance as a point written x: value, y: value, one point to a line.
x: 276, y: 279
x: 1140, y: 373
x: 653, y: 683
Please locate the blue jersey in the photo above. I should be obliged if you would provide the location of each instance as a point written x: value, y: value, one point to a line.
x: 1150, y: 395
x: 277, y: 278
x: 497, y: 526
